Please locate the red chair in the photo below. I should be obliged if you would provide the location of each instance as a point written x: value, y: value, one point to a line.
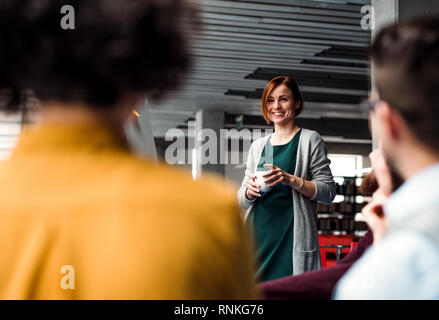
x: 335, y: 244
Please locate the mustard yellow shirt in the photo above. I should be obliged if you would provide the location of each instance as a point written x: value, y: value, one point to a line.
x: 81, y: 218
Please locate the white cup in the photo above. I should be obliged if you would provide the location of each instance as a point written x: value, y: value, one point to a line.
x: 263, y: 187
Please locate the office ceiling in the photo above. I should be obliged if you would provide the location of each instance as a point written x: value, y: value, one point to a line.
x: 245, y: 43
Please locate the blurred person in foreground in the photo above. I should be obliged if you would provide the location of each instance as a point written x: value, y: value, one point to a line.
x: 380, y: 183
x: 405, y: 117
x: 81, y: 217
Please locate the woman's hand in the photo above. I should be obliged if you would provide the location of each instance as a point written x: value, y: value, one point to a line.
x: 276, y: 175
x: 374, y: 215
x: 252, y: 190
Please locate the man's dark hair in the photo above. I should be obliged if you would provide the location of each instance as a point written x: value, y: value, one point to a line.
x: 406, y: 60
x: 118, y: 48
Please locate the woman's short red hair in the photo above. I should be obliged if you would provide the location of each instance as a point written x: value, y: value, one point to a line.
x: 291, y: 84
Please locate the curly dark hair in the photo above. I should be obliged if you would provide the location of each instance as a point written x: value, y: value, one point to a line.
x: 369, y: 185
x: 118, y: 48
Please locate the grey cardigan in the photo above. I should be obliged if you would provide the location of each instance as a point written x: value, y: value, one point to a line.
x: 312, y: 164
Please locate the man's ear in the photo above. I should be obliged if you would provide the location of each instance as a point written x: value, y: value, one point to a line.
x: 390, y: 120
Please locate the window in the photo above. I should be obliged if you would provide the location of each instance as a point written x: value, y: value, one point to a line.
x: 346, y: 165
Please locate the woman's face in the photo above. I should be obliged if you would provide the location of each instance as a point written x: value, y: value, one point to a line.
x: 281, y: 105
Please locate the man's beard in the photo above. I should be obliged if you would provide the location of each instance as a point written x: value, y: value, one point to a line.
x: 395, y: 176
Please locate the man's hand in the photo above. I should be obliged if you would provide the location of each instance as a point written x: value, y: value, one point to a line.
x: 374, y: 215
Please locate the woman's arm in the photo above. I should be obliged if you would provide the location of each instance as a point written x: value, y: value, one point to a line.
x: 321, y: 174
x: 305, y: 187
x: 243, y: 201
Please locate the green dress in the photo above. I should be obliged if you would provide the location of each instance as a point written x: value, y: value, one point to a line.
x: 271, y: 219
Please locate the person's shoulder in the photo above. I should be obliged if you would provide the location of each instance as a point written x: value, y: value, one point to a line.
x: 175, y: 187
x: 406, y: 247
x: 395, y: 267
x: 415, y: 247
x: 311, y: 140
x: 313, y: 136
x: 259, y: 142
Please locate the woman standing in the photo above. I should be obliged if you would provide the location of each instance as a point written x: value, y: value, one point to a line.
x: 283, y: 220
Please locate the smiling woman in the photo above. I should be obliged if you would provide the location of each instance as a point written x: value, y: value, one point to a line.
x: 283, y: 219
x: 282, y: 89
